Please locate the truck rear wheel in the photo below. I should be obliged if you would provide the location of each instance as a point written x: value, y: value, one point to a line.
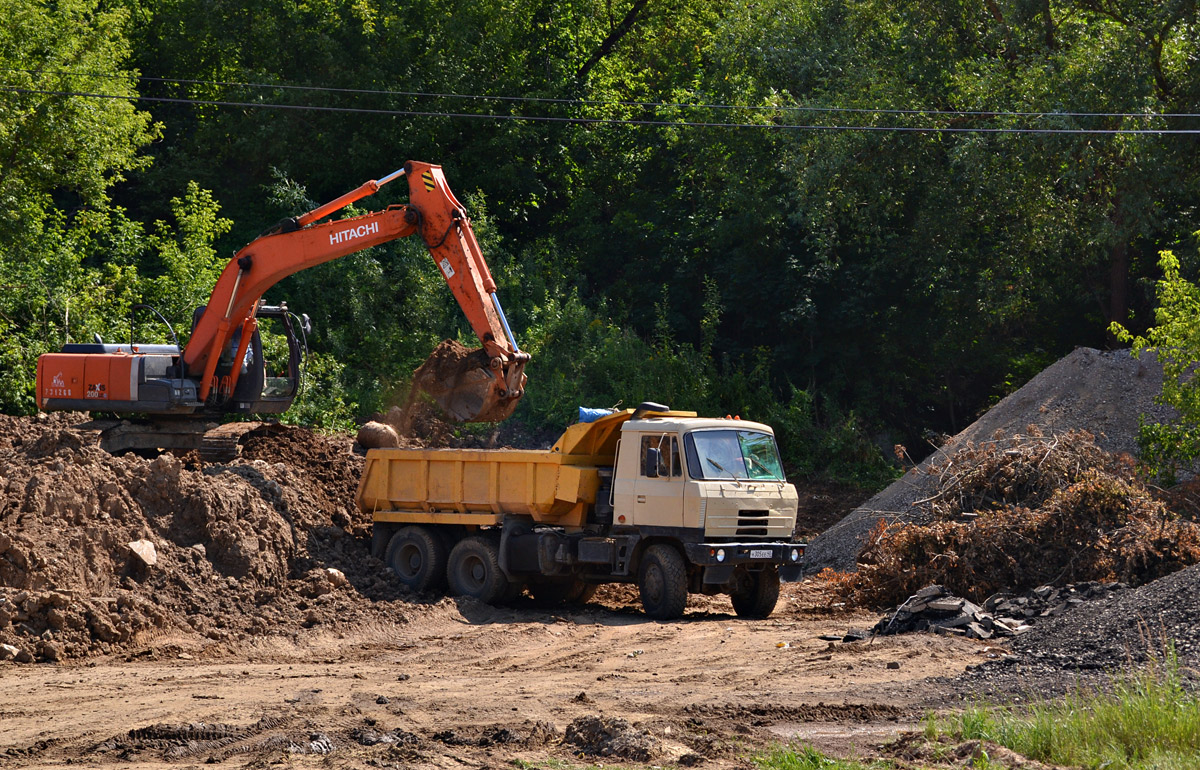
x: 759, y: 594
x: 474, y: 570
x: 418, y: 557
x: 662, y: 582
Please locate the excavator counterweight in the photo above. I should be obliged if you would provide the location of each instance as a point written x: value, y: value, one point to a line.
x: 221, y: 370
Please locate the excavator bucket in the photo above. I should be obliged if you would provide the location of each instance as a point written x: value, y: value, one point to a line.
x: 467, y: 386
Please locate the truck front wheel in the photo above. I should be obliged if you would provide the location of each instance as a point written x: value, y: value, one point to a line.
x: 418, y: 557
x: 662, y: 582
x: 757, y: 594
x: 474, y: 571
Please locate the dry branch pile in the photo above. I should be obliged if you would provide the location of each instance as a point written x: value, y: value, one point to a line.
x: 1014, y: 513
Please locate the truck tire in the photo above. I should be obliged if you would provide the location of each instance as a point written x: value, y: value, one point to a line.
x: 418, y: 557
x: 662, y: 582
x: 759, y: 595
x: 474, y: 570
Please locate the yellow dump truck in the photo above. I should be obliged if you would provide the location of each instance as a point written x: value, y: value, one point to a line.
x: 674, y: 502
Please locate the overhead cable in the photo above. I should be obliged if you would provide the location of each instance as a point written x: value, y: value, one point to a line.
x: 618, y: 103
x: 616, y: 121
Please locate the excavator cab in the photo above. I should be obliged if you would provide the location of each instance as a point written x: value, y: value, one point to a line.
x: 270, y: 376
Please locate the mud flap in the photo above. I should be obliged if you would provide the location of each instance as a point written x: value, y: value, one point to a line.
x: 718, y: 574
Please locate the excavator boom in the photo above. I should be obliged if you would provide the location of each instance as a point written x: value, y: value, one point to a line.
x: 221, y: 371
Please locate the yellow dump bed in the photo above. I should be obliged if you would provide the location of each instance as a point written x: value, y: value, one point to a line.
x: 479, y: 487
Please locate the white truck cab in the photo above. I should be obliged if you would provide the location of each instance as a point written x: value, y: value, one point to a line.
x: 721, y: 478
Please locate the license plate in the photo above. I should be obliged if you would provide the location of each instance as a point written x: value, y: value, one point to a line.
x: 761, y: 553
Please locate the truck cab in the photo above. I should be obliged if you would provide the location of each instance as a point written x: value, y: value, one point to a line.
x: 720, y: 479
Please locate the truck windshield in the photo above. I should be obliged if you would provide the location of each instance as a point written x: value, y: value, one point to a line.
x: 732, y: 454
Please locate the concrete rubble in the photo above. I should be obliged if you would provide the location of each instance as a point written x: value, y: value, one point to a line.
x: 1002, y: 615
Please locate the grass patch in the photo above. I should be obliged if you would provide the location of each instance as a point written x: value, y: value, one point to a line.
x: 808, y: 758
x: 1148, y: 720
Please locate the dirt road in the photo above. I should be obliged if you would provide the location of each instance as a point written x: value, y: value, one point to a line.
x: 464, y: 684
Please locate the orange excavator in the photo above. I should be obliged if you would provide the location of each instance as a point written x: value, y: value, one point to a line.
x: 222, y: 369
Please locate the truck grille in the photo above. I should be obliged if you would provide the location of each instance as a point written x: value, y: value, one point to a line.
x: 726, y: 522
x: 752, y: 522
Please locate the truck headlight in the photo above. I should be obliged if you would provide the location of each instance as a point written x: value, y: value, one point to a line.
x: 720, y: 554
x: 795, y: 554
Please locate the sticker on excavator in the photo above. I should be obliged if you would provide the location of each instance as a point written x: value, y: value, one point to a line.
x: 427, y: 178
x: 447, y: 268
x: 58, y: 388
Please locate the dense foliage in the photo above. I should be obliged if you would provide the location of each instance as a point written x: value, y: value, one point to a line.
x: 660, y: 226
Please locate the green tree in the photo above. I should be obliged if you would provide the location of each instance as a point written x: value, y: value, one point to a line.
x: 1169, y: 447
x: 65, y: 254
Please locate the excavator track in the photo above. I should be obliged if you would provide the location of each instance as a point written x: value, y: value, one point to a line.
x: 214, y: 442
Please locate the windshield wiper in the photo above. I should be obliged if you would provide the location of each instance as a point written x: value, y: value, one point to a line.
x: 721, y: 468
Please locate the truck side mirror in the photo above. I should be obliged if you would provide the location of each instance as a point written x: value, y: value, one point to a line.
x: 650, y: 463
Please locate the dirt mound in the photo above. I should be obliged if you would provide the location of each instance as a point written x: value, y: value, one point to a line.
x: 611, y: 737
x: 1102, y: 392
x: 1014, y: 514
x: 269, y: 543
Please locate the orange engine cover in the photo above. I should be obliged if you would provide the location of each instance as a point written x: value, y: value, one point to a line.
x: 86, y: 377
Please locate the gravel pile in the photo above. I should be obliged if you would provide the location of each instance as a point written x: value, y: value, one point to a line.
x: 1131, y: 625
x: 1103, y: 392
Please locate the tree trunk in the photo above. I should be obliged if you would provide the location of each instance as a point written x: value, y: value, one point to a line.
x: 613, y: 38
x: 1118, y: 285
x: 1048, y: 25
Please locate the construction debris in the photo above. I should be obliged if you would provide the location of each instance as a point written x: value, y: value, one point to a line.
x: 1019, y: 512
x: 1001, y: 615
x: 1103, y: 392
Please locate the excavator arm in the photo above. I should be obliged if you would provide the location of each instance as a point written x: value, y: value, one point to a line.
x: 483, y: 386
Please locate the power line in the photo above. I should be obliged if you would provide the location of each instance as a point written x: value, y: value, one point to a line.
x: 603, y: 103
x: 616, y: 121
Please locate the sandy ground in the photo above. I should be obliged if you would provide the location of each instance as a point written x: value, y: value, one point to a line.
x: 464, y: 684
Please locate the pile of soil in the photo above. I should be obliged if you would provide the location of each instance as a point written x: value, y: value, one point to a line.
x: 1102, y: 392
x: 269, y: 543
x: 611, y: 737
